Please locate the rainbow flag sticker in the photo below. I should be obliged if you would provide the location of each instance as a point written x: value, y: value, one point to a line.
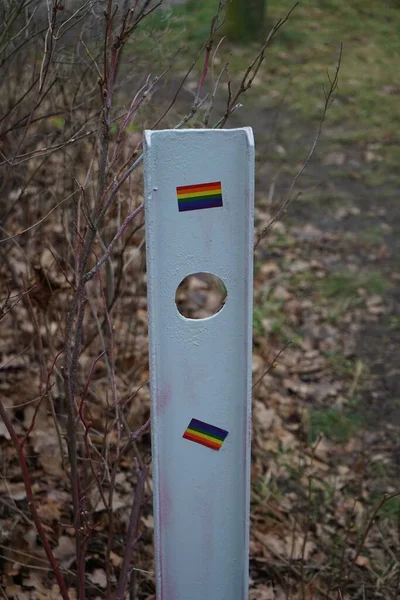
x: 197, y: 197
x: 205, y: 434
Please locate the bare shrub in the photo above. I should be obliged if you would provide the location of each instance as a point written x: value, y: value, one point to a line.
x: 73, y: 307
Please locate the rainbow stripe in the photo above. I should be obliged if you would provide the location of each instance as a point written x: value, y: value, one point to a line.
x: 205, y: 434
x: 196, y: 197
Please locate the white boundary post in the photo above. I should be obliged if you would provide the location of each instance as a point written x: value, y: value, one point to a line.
x: 199, y: 191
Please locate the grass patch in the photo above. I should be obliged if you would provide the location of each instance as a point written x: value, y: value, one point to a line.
x: 340, y: 364
x: 373, y: 235
x: 326, y: 199
x: 258, y: 326
x: 282, y: 240
x: 334, y: 424
x: 394, y: 322
x: 184, y: 26
x: 366, y: 108
x: 346, y: 285
x: 368, y: 78
x: 268, y: 317
x: 391, y: 508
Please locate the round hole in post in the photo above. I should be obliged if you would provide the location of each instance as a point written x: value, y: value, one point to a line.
x: 200, y: 295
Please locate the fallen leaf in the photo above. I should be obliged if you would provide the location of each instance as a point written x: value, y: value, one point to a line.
x: 262, y: 593
x: 363, y: 561
x: 281, y: 293
x: 118, y: 501
x: 299, y: 266
x: 65, y: 552
x: 4, y: 431
x: 49, y: 511
x: 148, y: 521
x: 334, y: 158
x: 272, y: 542
x: 298, y: 549
x: 44, y: 441
x: 116, y: 560
x: 15, y: 591
x: 370, y: 157
x: 265, y: 417
x: 98, y: 577
x: 16, y: 491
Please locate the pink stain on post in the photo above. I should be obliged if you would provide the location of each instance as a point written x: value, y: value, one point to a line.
x: 165, y: 502
x: 163, y: 398
x: 164, y: 519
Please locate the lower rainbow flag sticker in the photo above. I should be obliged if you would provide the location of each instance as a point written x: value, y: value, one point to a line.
x: 197, y: 197
x: 205, y: 434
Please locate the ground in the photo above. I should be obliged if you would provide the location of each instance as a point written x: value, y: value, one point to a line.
x: 326, y: 454
x: 327, y: 279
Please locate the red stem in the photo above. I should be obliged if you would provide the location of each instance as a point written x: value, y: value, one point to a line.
x: 89, y: 379
x: 48, y: 387
x: 132, y: 534
x: 31, y: 503
x: 205, y: 70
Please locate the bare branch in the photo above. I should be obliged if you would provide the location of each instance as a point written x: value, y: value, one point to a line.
x: 31, y: 502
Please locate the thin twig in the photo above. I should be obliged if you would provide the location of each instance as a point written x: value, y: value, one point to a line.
x: 132, y: 533
x: 272, y: 365
x: 288, y: 565
x: 371, y: 522
x: 31, y: 502
x: 115, y: 239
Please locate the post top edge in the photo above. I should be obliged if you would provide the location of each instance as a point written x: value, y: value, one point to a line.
x: 149, y: 133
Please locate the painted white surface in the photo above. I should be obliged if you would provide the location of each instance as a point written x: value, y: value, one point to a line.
x: 200, y: 368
